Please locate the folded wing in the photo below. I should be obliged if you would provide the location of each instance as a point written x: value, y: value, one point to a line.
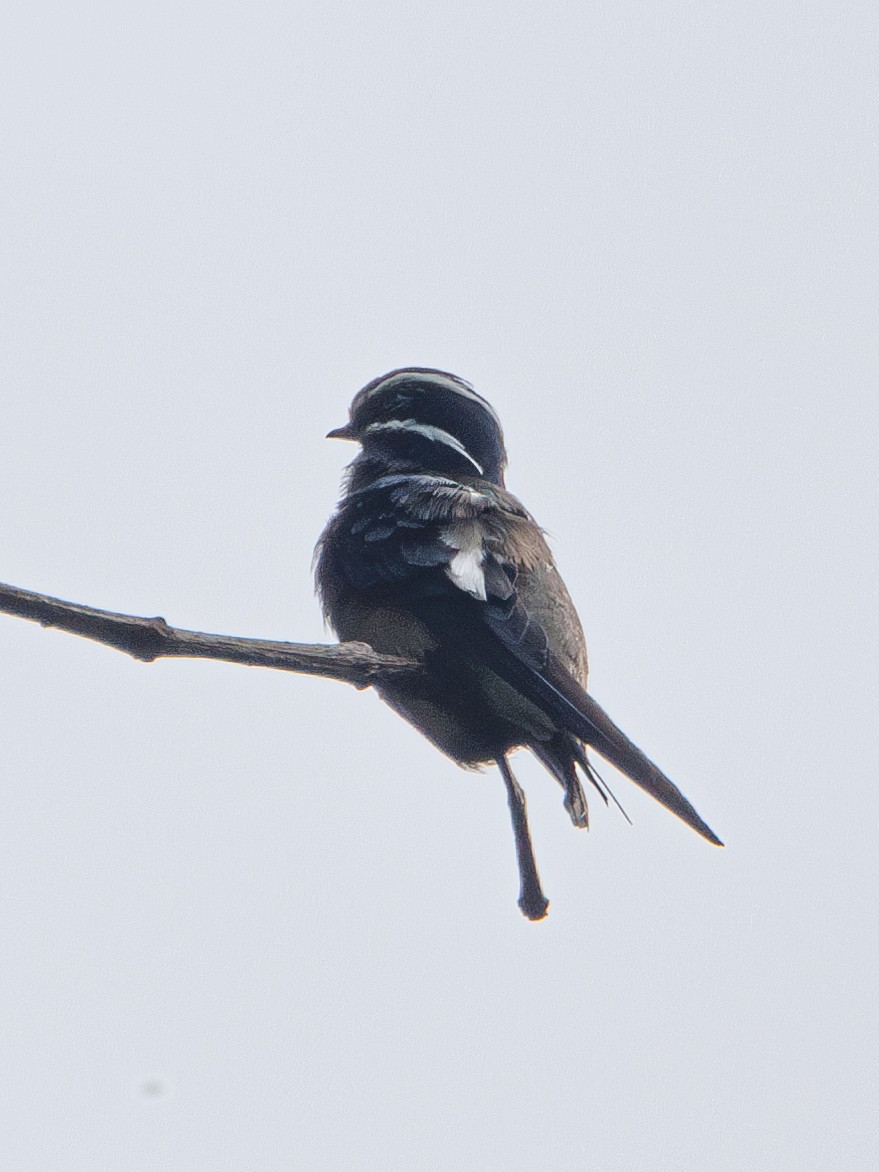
x: 421, y: 534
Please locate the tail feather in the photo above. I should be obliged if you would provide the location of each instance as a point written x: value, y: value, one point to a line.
x: 586, y: 719
x: 559, y: 693
x: 555, y: 689
x: 559, y: 760
x: 547, y: 682
x: 597, y: 780
x: 613, y: 744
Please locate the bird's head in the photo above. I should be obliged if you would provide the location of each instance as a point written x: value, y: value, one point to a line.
x: 429, y: 420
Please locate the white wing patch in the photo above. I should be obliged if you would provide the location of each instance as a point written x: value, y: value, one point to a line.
x: 465, y: 568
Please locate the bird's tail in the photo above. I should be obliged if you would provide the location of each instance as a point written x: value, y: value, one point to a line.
x: 613, y: 744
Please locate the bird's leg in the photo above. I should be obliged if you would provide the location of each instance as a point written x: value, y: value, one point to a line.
x: 532, y: 901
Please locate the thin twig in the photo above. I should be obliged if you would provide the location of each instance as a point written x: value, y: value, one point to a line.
x: 147, y: 639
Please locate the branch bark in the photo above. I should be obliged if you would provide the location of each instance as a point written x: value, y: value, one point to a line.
x: 147, y: 639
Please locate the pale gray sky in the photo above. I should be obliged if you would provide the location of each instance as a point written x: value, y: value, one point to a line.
x: 252, y: 922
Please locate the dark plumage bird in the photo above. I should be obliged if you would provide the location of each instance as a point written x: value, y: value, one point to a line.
x: 428, y: 556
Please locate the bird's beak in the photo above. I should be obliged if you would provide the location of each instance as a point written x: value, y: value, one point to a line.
x: 345, y: 432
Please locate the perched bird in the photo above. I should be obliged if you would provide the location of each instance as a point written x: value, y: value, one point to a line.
x: 429, y: 557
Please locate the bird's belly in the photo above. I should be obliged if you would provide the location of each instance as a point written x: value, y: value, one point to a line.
x: 464, y: 709
x: 460, y: 734
x: 387, y: 629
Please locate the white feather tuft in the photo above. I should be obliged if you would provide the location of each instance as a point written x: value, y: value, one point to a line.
x: 465, y: 568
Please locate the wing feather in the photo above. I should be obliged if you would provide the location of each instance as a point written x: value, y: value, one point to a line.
x: 399, y: 529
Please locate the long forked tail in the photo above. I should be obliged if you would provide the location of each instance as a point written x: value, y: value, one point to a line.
x: 542, y: 678
x: 613, y: 744
x: 559, y: 694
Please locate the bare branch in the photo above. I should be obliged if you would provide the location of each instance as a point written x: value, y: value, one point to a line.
x: 148, y: 639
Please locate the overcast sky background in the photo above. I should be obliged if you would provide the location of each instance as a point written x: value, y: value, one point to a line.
x: 252, y: 921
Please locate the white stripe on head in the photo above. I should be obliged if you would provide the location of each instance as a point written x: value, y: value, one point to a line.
x: 436, y: 435
x: 437, y: 379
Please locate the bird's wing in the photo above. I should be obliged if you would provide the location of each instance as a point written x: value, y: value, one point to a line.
x: 453, y: 552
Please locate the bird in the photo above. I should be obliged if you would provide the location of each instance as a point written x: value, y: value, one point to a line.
x: 429, y: 557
